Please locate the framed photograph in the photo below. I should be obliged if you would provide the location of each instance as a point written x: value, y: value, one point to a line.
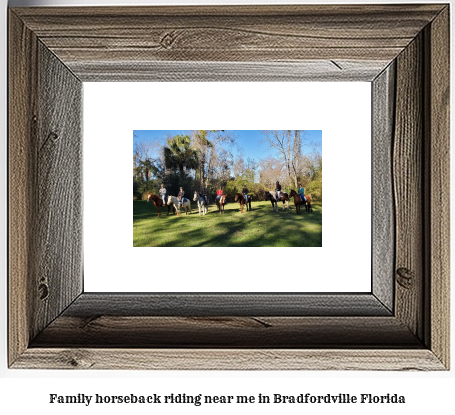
x: 401, y: 323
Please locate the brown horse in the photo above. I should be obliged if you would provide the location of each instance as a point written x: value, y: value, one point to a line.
x: 221, y: 202
x: 158, y: 202
x: 241, y: 199
x: 298, y: 201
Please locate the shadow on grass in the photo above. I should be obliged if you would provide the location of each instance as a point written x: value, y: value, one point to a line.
x: 259, y: 227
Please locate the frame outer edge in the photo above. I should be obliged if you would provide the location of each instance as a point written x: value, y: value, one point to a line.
x: 23, y: 290
x: 439, y: 191
x: 229, y: 359
x: 22, y: 120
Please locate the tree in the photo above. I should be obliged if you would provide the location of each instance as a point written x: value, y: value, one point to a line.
x: 179, y: 154
x: 271, y: 169
x: 288, y: 144
x: 209, y: 146
x: 202, y: 146
x: 145, y: 161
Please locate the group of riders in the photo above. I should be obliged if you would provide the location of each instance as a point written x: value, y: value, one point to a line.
x: 301, y: 192
x: 181, y: 195
x: 219, y: 193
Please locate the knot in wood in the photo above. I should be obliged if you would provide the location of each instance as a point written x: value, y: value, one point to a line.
x: 168, y: 40
x: 405, y: 278
x: 43, y: 291
x: 53, y: 136
x: 77, y: 359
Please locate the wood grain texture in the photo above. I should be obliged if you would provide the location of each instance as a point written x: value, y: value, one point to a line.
x: 229, y: 34
x: 438, y: 144
x: 408, y: 188
x: 308, y: 71
x: 58, y: 190
x: 53, y: 49
x: 22, y: 95
x: 235, y: 359
x: 383, y: 215
x: 213, y: 305
x: 258, y: 332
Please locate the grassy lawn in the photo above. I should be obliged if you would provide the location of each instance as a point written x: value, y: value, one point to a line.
x: 259, y: 227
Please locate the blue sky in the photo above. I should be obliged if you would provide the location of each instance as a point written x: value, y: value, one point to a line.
x: 249, y: 141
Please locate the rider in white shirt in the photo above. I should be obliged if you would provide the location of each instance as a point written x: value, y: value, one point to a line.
x: 163, y: 193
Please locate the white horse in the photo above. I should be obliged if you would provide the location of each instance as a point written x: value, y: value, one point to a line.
x: 273, y: 197
x: 201, y: 204
x: 186, y: 205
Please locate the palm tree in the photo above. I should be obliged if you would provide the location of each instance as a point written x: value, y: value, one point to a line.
x: 179, y: 155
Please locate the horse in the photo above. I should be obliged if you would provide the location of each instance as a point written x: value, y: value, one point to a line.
x: 158, y: 202
x: 298, y: 201
x: 221, y: 202
x: 201, y: 203
x: 239, y: 197
x: 272, y: 196
x: 186, y: 205
x: 308, y: 206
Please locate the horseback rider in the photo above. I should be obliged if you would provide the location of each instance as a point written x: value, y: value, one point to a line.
x: 245, y: 193
x: 162, y: 192
x: 180, y: 195
x: 219, y: 193
x: 278, y: 190
x: 204, y: 195
x: 301, y: 193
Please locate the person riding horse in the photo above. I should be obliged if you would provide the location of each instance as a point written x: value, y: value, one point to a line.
x: 278, y: 191
x: 204, y: 195
x: 301, y: 192
x: 162, y: 192
x: 180, y: 195
x: 219, y: 193
x: 245, y: 193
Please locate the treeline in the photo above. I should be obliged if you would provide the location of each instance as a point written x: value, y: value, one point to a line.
x: 211, y: 158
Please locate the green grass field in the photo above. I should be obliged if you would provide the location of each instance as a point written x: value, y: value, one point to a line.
x: 258, y: 227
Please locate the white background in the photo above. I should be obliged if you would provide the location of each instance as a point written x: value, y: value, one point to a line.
x: 27, y: 391
x: 340, y: 109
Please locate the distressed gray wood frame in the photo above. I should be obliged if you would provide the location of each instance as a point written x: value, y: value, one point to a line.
x: 403, y: 324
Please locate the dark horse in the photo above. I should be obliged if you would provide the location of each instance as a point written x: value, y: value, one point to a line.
x: 221, y: 202
x: 298, y: 201
x: 242, y: 201
x: 284, y: 197
x: 158, y: 202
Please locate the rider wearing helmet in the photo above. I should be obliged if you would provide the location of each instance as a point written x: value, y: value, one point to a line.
x: 301, y: 192
x: 245, y: 193
x: 180, y: 195
x: 219, y: 193
x: 204, y: 195
x: 162, y: 193
x: 278, y: 190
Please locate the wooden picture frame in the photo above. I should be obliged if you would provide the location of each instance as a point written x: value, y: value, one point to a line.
x: 403, y: 324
